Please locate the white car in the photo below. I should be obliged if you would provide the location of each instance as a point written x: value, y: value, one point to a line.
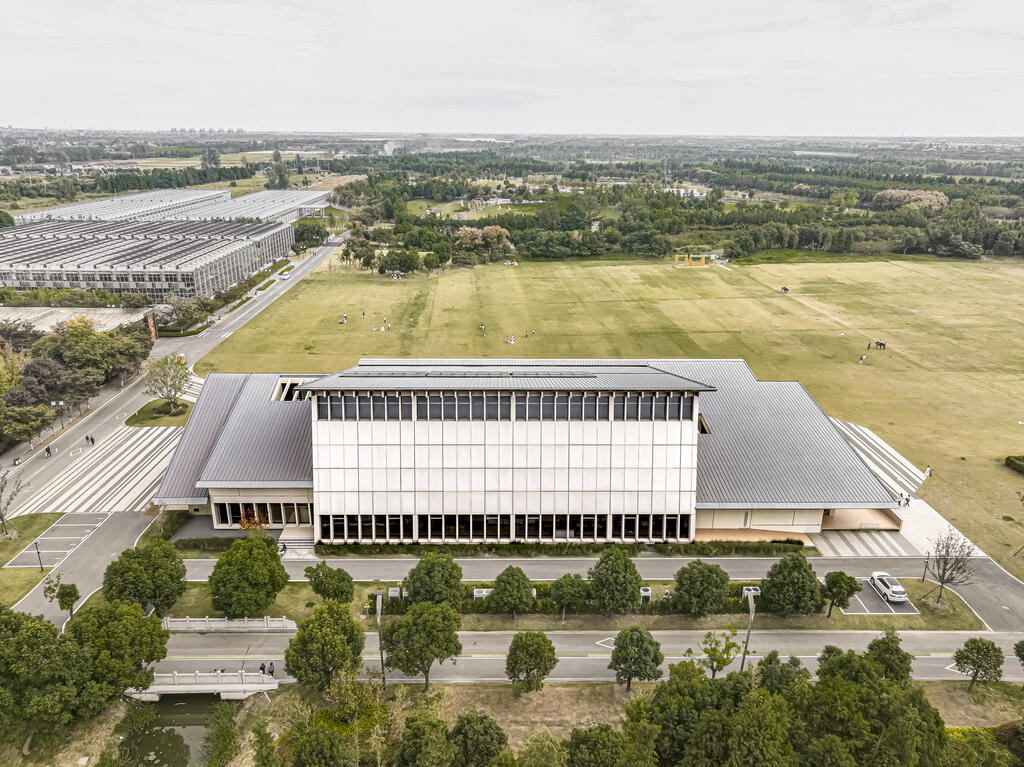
x: 889, y: 587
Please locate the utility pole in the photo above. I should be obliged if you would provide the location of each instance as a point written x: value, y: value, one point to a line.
x: 380, y: 645
x: 749, y: 592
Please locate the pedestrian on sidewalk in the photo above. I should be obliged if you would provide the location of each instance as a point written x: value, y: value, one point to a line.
x: 48, y: 453
x: 263, y: 668
x: 92, y: 441
x: 270, y: 668
x: 87, y: 439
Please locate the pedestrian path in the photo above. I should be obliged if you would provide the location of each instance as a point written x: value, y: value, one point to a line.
x: 898, y: 474
x: 119, y: 473
x: 60, y: 539
x: 863, y: 543
x: 193, y: 388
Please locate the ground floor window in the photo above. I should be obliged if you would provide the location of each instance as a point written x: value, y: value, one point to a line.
x: 268, y: 514
x: 383, y: 528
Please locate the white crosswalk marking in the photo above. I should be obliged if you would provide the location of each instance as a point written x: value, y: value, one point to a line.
x: 193, y: 388
x: 120, y: 474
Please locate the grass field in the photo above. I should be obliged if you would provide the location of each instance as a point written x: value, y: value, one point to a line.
x: 948, y: 392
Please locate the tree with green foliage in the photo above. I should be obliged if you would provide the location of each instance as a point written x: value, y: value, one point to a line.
x: 887, y: 652
x: 761, y: 732
x: 43, y: 676
x: 839, y: 588
x: 424, y: 742
x: 221, y: 743
x: 640, y: 735
x: 264, y: 745
x: 570, y: 593
x: 477, y: 739
x: 615, y: 583
x: 512, y: 593
x: 435, y: 578
x: 166, y: 570
x: 542, y: 749
x: 23, y: 424
x: 776, y: 676
x: 210, y: 158
x: 828, y: 751
x: 791, y: 587
x: 1018, y: 650
x: 151, y: 575
x: 123, y: 644
x: 330, y: 582
x: 247, y: 577
x: 530, y: 659
x: 319, y: 746
x: 325, y: 644
x: 980, y: 659
x: 431, y: 262
x: 597, y: 746
x: 974, y: 747
x: 66, y: 594
x: 636, y: 655
x: 717, y: 651
x: 701, y: 589
x: 310, y: 234
x: 127, y: 579
x: 6, y: 219
x: 167, y: 377
x: 426, y: 634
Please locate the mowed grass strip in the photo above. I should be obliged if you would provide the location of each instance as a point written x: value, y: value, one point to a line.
x: 947, y: 391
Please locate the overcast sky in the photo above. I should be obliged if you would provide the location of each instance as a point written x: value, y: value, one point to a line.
x: 824, y: 67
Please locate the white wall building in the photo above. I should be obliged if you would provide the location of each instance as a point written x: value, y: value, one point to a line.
x: 443, y: 451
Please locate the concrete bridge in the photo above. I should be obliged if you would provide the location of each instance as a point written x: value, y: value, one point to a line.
x: 235, y: 625
x: 230, y: 685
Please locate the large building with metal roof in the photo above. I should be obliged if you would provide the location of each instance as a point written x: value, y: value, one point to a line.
x: 159, y: 203
x: 473, y: 450
x: 162, y: 259
x: 281, y: 205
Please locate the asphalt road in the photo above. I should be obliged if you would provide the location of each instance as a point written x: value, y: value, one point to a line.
x: 994, y: 594
x: 85, y: 565
x: 582, y: 655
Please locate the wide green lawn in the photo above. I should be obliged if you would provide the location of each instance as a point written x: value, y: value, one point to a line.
x: 948, y: 391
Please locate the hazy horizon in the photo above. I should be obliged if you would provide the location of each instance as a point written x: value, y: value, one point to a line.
x: 792, y: 68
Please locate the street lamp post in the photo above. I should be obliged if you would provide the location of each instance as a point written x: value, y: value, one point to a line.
x: 39, y: 556
x: 59, y: 405
x: 749, y: 592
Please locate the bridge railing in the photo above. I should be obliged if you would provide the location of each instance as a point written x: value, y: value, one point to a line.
x: 240, y: 625
x: 218, y: 679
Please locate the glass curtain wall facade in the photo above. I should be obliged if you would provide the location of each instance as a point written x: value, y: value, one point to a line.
x: 464, y: 466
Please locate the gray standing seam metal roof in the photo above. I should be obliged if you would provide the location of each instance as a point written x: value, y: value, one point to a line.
x: 770, y: 444
x: 506, y: 375
x: 263, y: 443
x: 202, y: 430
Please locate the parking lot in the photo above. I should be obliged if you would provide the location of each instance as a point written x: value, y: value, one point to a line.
x: 870, y: 602
x: 59, y: 540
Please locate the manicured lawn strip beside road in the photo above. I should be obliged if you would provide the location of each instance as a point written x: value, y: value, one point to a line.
x: 144, y: 416
x: 292, y: 602
x: 16, y: 582
x: 28, y: 528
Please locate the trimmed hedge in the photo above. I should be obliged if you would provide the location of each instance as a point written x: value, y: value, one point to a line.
x: 214, y: 544
x: 1016, y: 462
x: 169, y: 333
x: 699, y: 549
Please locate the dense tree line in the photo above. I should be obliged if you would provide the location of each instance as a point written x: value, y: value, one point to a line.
x: 68, y: 365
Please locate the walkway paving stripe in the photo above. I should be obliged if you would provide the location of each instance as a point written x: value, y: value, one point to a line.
x: 823, y: 546
x: 120, y: 475
x: 838, y: 544
x: 871, y: 543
